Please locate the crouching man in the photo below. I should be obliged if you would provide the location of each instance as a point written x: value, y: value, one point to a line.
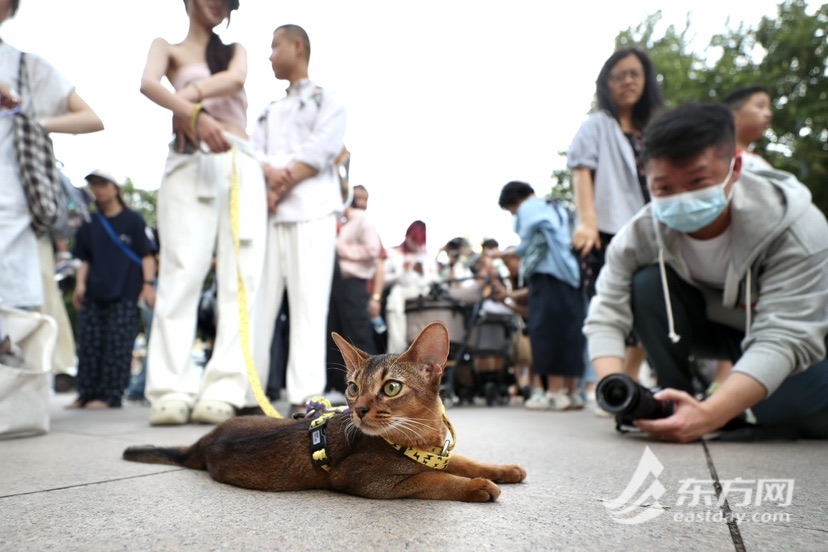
x: 721, y: 264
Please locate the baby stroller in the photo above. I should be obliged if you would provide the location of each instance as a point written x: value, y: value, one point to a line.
x: 480, y: 354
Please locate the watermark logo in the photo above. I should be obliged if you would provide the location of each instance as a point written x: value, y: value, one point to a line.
x: 634, y: 499
x: 639, y: 501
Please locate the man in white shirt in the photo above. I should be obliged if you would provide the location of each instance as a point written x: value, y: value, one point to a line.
x: 299, y: 138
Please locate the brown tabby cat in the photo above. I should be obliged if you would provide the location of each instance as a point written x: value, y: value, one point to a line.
x: 392, y: 399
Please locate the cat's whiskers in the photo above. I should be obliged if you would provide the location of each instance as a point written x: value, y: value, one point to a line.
x: 339, y: 368
x: 351, y: 431
x: 412, y: 430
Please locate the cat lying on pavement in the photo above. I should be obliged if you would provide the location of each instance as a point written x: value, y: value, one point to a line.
x: 392, y: 444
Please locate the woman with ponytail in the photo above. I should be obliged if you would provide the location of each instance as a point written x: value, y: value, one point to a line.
x: 210, y: 161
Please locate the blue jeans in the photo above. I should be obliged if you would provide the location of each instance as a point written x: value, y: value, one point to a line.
x: 799, y: 404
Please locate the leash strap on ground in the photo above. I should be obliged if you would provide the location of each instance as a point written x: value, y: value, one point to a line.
x: 244, y: 322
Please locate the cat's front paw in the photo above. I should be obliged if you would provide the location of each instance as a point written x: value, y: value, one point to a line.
x: 481, y: 490
x: 511, y: 474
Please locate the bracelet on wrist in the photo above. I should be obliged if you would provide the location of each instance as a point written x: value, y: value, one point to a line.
x: 376, y: 297
x: 149, y: 282
x: 197, y: 109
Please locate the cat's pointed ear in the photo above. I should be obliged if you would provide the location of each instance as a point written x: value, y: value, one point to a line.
x: 431, y: 347
x: 353, y: 357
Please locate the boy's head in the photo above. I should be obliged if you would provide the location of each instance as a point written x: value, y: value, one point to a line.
x: 513, y: 194
x: 490, y: 244
x: 290, y: 51
x: 751, y: 108
x: 360, y: 200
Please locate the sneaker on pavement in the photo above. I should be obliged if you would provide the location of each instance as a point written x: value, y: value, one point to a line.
x: 577, y: 401
x: 590, y: 400
x: 538, y: 401
x: 559, y: 401
x: 601, y: 413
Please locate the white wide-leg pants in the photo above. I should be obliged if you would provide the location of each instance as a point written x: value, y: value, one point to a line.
x: 300, y: 255
x: 193, y: 223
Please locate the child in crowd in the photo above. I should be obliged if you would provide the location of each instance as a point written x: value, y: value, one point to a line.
x: 752, y: 115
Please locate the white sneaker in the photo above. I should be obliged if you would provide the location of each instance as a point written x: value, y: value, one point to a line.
x: 577, y: 401
x: 591, y: 401
x: 538, y: 401
x: 559, y: 401
x: 601, y: 413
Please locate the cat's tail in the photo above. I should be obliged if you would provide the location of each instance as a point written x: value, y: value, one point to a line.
x: 175, y: 456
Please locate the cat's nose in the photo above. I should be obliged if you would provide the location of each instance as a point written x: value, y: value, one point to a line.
x: 361, y: 411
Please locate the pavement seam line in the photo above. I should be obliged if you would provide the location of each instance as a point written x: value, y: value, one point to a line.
x: 733, y: 527
x: 91, y: 483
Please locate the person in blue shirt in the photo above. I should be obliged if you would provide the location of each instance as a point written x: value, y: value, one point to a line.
x: 556, y: 303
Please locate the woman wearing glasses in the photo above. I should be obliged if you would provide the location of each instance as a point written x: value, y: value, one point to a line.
x: 607, y: 176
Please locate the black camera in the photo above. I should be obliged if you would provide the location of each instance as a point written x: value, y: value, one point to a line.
x: 620, y: 395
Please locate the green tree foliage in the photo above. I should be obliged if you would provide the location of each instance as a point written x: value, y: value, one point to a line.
x: 143, y: 201
x: 787, y: 54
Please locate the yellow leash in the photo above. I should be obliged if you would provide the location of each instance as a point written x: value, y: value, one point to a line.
x: 244, y: 323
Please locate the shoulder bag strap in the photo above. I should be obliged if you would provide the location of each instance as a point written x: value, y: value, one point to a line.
x: 129, y: 252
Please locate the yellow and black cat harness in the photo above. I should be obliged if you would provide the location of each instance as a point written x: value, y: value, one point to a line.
x: 321, y: 411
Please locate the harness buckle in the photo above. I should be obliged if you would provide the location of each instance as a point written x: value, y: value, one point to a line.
x: 319, y: 443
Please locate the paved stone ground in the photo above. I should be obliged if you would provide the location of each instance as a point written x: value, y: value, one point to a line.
x: 70, y: 490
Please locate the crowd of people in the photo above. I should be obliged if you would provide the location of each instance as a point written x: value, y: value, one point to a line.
x: 684, y: 245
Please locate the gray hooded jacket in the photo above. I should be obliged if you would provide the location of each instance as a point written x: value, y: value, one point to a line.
x: 776, y: 286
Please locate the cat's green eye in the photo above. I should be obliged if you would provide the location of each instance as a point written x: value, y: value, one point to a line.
x: 392, y: 388
x: 352, y: 390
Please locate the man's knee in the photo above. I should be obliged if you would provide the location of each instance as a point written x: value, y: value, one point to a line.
x: 646, y: 289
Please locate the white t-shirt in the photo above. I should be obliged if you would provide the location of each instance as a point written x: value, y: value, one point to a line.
x: 20, y: 282
x: 753, y: 163
x: 707, y: 260
x: 308, y: 126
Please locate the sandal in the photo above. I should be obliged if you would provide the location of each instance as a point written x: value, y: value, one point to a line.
x: 76, y: 405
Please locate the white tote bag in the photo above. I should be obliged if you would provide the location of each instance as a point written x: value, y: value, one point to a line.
x: 25, y: 391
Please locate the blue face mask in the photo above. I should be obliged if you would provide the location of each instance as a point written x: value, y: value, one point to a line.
x: 692, y: 211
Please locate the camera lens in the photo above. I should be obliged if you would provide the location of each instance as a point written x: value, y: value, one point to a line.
x: 616, y: 394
